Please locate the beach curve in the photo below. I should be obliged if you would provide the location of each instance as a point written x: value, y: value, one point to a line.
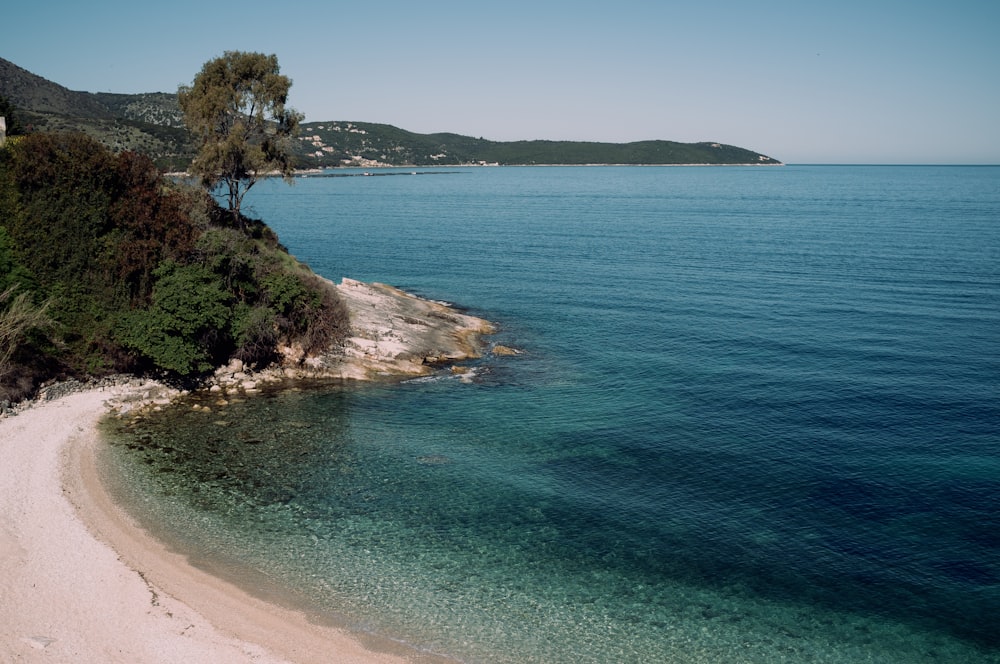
x: 80, y: 581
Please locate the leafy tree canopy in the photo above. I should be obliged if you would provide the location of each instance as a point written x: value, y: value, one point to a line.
x: 236, y: 109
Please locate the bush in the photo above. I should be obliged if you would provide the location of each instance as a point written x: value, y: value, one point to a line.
x: 141, y: 273
x: 151, y: 224
x: 186, y: 330
x: 18, y: 317
x: 326, y: 316
x: 12, y: 273
x: 256, y: 334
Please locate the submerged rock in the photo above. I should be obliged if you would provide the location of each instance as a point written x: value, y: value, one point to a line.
x: 500, y: 349
x: 434, y: 460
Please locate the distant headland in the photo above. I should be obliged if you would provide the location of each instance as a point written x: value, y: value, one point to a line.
x: 152, y: 123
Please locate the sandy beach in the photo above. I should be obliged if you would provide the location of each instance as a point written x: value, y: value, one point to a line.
x: 80, y: 582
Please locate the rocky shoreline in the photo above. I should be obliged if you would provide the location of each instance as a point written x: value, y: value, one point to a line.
x: 125, y: 393
x: 393, y: 335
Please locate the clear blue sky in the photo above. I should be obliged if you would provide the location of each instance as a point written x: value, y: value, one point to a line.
x: 870, y: 81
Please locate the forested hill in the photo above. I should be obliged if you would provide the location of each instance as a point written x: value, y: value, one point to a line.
x: 148, y: 123
x: 151, y: 123
x: 339, y: 143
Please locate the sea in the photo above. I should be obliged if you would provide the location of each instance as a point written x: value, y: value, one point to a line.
x: 754, y: 417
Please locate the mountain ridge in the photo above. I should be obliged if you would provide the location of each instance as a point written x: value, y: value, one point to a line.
x: 152, y: 123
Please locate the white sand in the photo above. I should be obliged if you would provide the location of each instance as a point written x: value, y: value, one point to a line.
x: 80, y: 582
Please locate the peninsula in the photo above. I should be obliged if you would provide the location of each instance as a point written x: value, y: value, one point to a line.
x: 107, y: 267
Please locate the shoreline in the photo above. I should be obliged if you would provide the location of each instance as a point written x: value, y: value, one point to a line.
x: 81, y: 581
x: 393, y: 335
x: 313, y: 170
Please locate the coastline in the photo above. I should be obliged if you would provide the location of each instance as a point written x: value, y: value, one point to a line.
x: 81, y: 580
x: 392, y: 335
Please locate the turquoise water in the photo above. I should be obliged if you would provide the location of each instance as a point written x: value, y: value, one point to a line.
x: 755, y: 420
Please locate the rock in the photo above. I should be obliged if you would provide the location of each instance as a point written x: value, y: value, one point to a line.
x: 505, y: 350
x: 396, y: 333
x: 433, y: 460
x: 39, y: 642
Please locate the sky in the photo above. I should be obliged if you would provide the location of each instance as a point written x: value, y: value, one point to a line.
x: 871, y: 81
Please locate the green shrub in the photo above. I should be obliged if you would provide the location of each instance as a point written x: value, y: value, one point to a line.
x: 187, y: 328
x: 234, y: 258
x: 12, y: 273
x: 18, y: 317
x: 256, y: 334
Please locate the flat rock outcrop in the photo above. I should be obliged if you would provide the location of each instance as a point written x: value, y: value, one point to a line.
x: 395, y: 333
x: 392, y: 334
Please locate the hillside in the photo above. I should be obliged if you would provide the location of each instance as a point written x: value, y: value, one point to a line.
x: 147, y: 123
x: 329, y: 144
x: 152, y: 123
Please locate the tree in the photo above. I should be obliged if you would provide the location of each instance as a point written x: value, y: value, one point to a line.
x: 236, y: 108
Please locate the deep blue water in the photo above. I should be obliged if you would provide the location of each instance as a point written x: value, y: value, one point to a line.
x: 756, y: 419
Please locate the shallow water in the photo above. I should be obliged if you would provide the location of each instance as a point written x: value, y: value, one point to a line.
x: 755, y: 420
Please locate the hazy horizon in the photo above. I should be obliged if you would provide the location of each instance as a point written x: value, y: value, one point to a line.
x: 856, y: 82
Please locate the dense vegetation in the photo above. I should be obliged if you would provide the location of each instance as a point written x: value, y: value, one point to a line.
x: 106, y: 266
